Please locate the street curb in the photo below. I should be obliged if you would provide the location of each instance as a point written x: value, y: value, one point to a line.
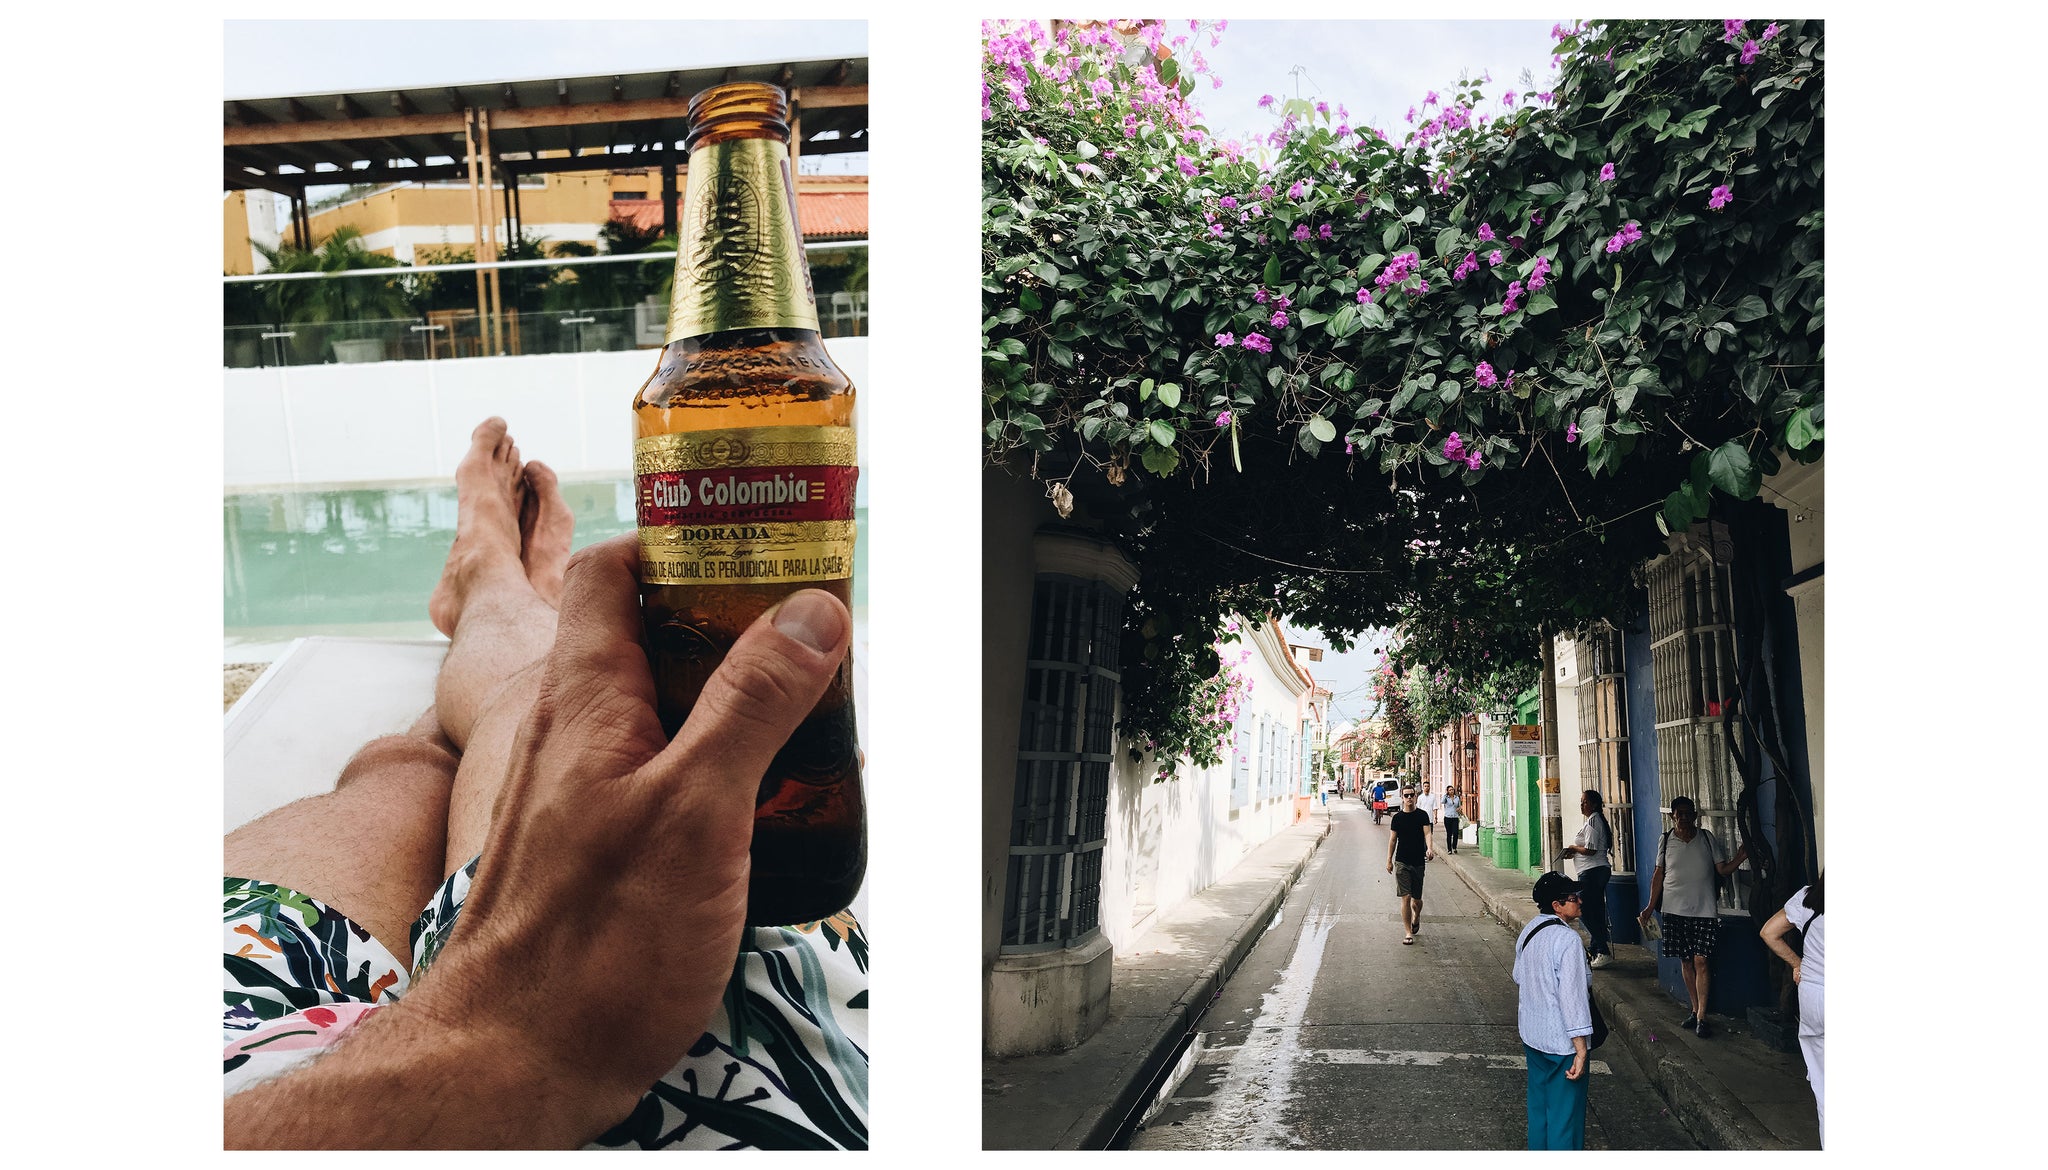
x: 1187, y: 1012
x: 1697, y: 1098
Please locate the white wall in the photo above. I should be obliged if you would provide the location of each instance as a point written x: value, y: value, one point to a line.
x: 371, y: 422
x: 1171, y: 839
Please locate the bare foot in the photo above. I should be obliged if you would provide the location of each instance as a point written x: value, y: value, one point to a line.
x: 545, y: 526
x: 485, y: 555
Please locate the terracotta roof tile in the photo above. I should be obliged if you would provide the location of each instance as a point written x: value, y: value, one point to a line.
x: 824, y: 215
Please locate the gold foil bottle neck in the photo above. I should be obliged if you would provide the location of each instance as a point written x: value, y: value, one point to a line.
x: 740, y: 262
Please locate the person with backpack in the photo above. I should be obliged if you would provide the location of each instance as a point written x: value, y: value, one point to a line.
x: 1686, y: 885
x: 1379, y: 801
x: 1802, y: 912
x: 1554, y: 1015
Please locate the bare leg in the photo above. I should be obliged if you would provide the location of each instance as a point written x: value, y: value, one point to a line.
x: 484, y: 602
x: 371, y: 848
x: 1700, y: 981
x: 1689, y: 969
x: 498, y: 602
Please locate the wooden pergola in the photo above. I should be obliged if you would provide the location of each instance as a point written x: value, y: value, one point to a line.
x: 493, y: 132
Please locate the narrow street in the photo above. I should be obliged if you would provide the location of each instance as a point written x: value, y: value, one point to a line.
x: 1333, y: 1035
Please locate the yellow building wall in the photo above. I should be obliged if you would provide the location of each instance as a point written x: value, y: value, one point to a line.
x: 235, y: 259
x: 579, y: 198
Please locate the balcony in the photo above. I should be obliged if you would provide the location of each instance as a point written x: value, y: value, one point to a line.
x: 545, y: 306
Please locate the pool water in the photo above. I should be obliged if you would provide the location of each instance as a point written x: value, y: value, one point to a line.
x: 362, y: 562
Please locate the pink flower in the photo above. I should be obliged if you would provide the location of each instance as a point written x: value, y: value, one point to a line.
x: 1279, y: 320
x: 1607, y: 172
x: 1364, y: 295
x: 1771, y: 30
x: 1259, y: 295
x: 1485, y: 231
x: 1229, y: 203
x: 1493, y: 259
x: 1749, y: 51
x: 1223, y: 419
x: 1721, y: 197
x: 1323, y: 232
x: 1266, y: 102
x: 1257, y: 343
x: 1571, y: 434
x: 1225, y: 340
x: 1300, y: 232
x: 1295, y: 191
x: 1472, y: 460
x: 1483, y: 374
x: 1215, y: 229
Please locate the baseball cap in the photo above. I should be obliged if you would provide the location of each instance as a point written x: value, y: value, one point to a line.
x: 1554, y: 887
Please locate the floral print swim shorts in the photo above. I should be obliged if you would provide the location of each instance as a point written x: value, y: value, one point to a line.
x: 782, y: 1065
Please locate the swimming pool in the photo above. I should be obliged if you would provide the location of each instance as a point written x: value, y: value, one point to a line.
x: 361, y: 562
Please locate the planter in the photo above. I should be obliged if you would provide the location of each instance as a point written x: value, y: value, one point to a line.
x: 359, y: 350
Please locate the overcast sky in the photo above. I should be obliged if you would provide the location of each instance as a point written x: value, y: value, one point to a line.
x: 1375, y: 68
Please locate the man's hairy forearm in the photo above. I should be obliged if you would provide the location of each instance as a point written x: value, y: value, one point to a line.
x: 402, y: 1080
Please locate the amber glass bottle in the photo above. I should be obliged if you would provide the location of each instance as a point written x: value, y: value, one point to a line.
x: 743, y: 457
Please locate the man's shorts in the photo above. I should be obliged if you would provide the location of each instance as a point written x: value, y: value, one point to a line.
x: 1407, y: 880
x: 1685, y: 937
x: 783, y: 1063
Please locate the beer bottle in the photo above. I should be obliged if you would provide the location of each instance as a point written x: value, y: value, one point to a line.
x: 743, y: 461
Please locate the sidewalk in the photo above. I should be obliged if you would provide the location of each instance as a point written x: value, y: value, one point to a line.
x: 1730, y: 1092
x: 1077, y: 1100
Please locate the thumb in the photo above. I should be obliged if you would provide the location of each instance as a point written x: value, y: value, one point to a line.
x: 767, y: 684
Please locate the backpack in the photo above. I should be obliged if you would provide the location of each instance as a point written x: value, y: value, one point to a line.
x: 1599, y: 1035
x: 1720, y: 879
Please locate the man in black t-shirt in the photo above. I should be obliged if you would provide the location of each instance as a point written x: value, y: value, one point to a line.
x: 1408, y: 846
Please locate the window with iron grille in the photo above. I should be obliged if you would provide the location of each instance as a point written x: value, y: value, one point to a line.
x: 1692, y: 661
x: 1064, y: 751
x: 1602, y: 695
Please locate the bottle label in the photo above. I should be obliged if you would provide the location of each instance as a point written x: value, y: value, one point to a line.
x: 748, y: 506
x: 741, y: 261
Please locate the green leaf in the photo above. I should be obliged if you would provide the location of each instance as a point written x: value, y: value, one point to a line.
x: 1272, y: 274
x: 1323, y: 429
x: 1661, y: 249
x: 1749, y: 308
x: 1311, y: 317
x: 1540, y: 304
x: 1162, y: 432
x: 1169, y: 396
x: 1086, y: 149
x: 1677, y: 512
x: 1060, y: 310
x: 1624, y: 398
x: 1448, y: 391
x: 1732, y: 470
x: 1801, y: 431
x: 1145, y: 389
x: 1447, y: 241
x: 1046, y: 273
x: 1029, y: 299
x: 1387, y: 238
x: 1061, y: 354
x: 1160, y: 460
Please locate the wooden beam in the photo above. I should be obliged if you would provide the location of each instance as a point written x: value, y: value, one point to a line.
x: 830, y: 97
x: 530, y: 118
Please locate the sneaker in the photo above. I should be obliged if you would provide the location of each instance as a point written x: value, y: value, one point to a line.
x: 1602, y: 960
x: 1689, y: 1022
x: 1703, y: 1031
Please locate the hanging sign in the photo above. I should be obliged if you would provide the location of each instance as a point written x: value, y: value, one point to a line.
x: 1525, y: 739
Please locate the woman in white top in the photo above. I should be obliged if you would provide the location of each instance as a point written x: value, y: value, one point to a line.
x: 1803, y: 910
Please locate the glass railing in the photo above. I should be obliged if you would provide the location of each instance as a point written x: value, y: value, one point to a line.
x: 429, y: 312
